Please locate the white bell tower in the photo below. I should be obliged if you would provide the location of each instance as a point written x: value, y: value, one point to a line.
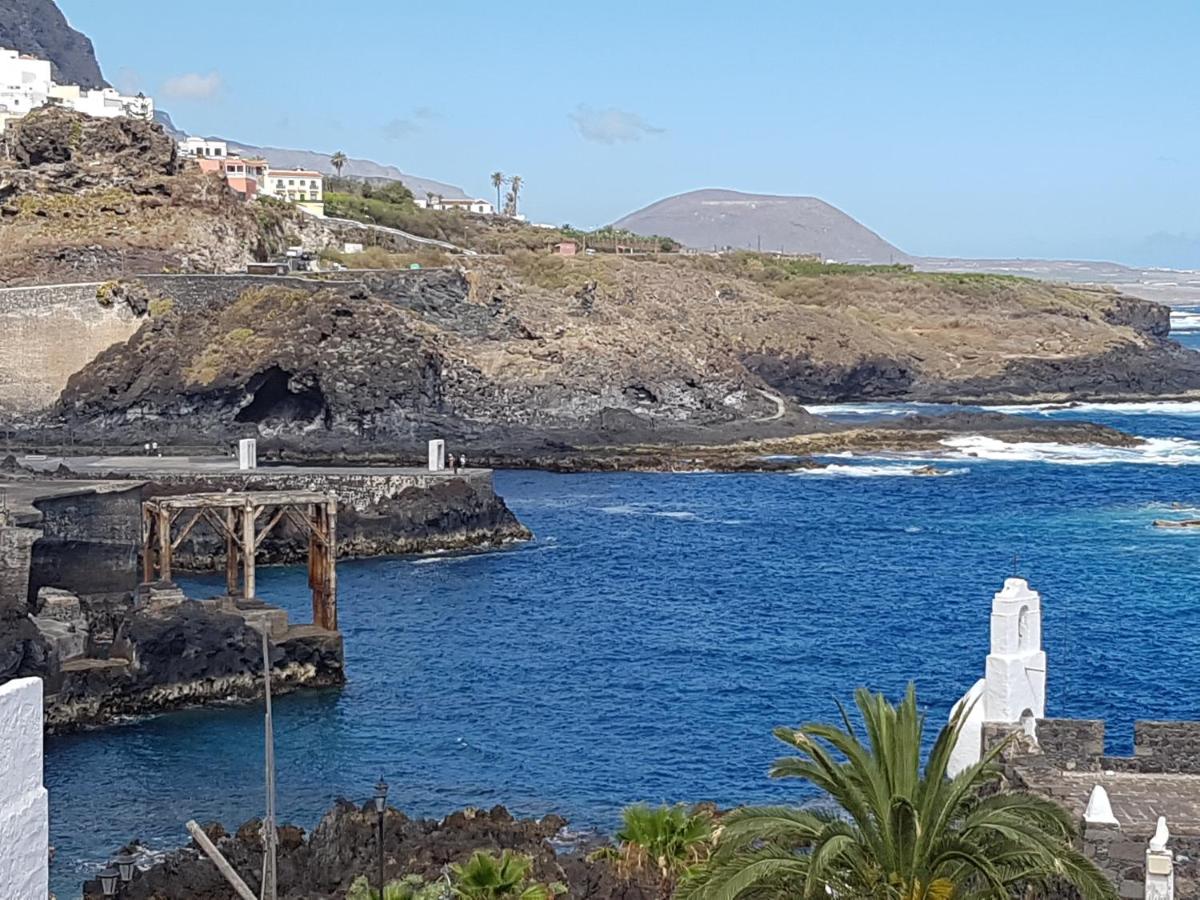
x: 1014, y: 682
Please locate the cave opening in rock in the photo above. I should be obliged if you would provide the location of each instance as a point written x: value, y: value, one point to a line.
x: 278, y: 400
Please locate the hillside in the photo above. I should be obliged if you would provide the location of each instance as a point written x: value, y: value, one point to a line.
x: 718, y: 219
x: 39, y: 28
x: 535, y: 351
x: 85, y: 198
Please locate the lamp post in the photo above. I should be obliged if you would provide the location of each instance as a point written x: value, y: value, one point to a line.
x: 381, y: 790
x: 108, y: 881
x: 125, y: 863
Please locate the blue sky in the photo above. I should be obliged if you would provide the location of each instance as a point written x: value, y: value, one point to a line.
x: 1062, y: 129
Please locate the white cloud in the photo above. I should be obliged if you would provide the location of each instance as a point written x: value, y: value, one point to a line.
x: 192, y: 86
x: 610, y: 125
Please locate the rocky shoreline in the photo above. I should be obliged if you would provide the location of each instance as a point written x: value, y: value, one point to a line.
x: 345, y: 846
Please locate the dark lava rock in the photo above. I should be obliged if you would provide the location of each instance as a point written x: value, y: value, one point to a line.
x: 346, y: 844
x: 69, y: 150
x: 182, y: 655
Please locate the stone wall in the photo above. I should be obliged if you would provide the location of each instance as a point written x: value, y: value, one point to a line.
x: 50, y: 332
x: 90, y: 542
x: 47, y: 334
x: 16, y: 551
x: 24, y: 810
x: 1171, y: 747
x: 1121, y: 855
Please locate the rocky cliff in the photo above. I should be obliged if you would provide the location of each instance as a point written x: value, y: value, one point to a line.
x: 534, y: 351
x: 38, y: 27
x: 84, y: 198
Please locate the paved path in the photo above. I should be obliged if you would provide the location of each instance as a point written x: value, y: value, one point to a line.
x: 780, y: 406
x: 416, y: 238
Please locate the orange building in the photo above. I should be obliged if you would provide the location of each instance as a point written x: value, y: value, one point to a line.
x: 243, y: 175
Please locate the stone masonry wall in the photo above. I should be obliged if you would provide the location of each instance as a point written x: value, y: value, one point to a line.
x: 47, y: 334
x: 90, y: 542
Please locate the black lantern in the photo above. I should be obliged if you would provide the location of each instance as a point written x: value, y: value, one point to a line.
x: 125, y: 863
x: 108, y: 881
x: 380, y: 796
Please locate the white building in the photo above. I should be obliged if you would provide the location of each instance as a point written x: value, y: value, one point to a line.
x: 476, y: 206
x: 1013, y: 688
x: 24, y: 815
x: 203, y: 148
x: 104, y: 103
x: 24, y: 84
x: 303, y: 187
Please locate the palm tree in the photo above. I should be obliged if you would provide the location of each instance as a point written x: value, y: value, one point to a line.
x: 664, y: 842
x: 900, y: 833
x: 486, y: 877
x: 498, y: 180
x: 514, y: 192
x: 337, y: 161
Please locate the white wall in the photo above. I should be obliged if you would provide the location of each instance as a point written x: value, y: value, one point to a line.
x: 24, y: 814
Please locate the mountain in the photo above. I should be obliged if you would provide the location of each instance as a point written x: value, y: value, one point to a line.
x: 717, y: 218
x: 358, y: 168
x: 39, y: 28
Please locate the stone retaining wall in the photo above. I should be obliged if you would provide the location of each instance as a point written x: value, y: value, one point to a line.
x: 50, y: 332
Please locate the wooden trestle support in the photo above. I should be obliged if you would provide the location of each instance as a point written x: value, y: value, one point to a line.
x: 235, y: 516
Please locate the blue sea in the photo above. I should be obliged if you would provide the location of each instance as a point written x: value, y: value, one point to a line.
x: 643, y: 646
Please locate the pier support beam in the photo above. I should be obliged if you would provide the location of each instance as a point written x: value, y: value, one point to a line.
x: 235, y: 517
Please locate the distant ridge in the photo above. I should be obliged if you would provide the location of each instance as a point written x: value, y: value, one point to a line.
x: 711, y: 218
x: 357, y: 168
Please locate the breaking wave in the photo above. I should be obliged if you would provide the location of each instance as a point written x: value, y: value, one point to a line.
x: 1153, y: 451
x: 891, y: 470
x: 1185, y: 320
x: 1146, y: 408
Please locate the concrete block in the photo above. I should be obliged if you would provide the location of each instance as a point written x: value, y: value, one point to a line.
x: 247, y: 453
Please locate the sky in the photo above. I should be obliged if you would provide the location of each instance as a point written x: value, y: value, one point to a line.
x: 1042, y: 129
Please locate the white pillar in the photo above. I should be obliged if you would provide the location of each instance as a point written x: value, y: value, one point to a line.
x: 24, y: 811
x: 1099, y: 809
x: 1160, y: 865
x: 247, y: 453
x: 437, y: 455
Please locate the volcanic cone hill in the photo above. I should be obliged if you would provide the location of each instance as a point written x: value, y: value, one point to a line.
x: 529, y: 350
x: 718, y: 219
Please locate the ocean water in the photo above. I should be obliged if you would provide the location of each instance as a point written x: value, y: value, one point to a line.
x: 644, y: 645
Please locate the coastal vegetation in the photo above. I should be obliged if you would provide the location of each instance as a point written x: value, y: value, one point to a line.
x: 505, y: 877
x: 900, y: 830
x: 660, y: 844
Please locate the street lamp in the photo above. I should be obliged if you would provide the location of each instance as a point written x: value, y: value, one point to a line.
x: 125, y: 863
x: 380, y: 805
x: 108, y: 881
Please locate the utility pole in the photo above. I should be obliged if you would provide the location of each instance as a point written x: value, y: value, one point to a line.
x: 270, y: 833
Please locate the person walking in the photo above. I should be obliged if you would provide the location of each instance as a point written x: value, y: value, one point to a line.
x: 462, y: 461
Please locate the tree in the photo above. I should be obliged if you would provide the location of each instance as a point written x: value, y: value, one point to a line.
x: 662, y: 842
x: 900, y: 833
x: 337, y: 161
x: 498, y: 181
x: 514, y: 193
x: 486, y: 877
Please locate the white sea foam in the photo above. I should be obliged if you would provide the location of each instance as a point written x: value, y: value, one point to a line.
x: 892, y: 470
x: 682, y: 515
x: 861, y: 409
x: 1154, y: 451
x: 1147, y: 408
x: 1185, y: 320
